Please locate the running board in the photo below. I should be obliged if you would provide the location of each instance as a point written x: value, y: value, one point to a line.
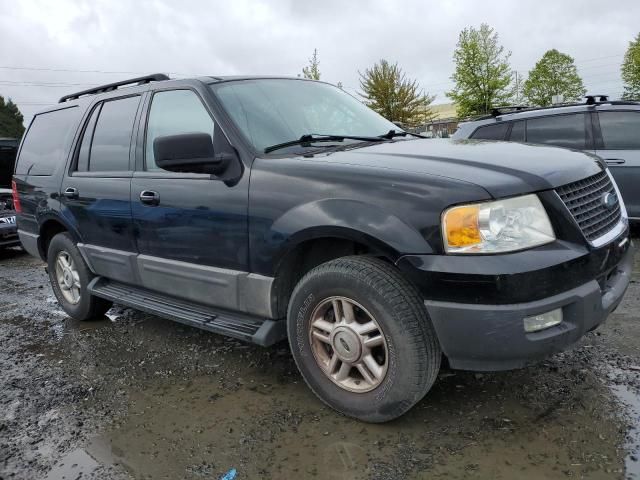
x: 253, y: 329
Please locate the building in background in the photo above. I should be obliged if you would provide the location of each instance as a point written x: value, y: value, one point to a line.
x: 444, y: 123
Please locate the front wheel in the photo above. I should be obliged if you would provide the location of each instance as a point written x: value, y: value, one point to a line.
x: 70, y: 277
x: 361, y: 337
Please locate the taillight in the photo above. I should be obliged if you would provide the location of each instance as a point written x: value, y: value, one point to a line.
x: 16, y: 201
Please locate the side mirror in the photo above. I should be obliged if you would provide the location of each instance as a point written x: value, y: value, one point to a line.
x: 189, y: 153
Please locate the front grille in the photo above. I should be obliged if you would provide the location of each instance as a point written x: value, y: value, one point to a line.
x: 585, y: 201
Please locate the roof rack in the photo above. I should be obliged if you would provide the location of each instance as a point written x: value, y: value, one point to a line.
x: 156, y: 77
x: 507, y: 109
x: 591, y: 99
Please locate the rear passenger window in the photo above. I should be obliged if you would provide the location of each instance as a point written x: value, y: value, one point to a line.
x: 560, y: 130
x: 175, y: 112
x: 517, y: 132
x: 496, y: 131
x: 47, y: 142
x: 112, y: 135
x: 620, y: 130
x: 85, y: 145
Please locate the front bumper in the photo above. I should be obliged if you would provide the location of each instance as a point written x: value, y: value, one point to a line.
x: 489, y: 337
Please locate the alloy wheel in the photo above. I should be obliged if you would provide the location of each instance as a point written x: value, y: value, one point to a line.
x: 68, y: 277
x: 348, y: 344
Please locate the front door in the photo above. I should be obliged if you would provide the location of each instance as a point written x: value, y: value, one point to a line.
x: 191, y: 229
x: 95, y: 194
x: 619, y: 146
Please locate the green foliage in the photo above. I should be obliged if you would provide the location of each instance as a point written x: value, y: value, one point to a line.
x: 482, y: 73
x: 387, y: 90
x: 10, y: 119
x: 554, y: 74
x: 312, y: 71
x: 631, y: 71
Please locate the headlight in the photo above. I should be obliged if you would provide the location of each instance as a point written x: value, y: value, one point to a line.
x: 495, y: 227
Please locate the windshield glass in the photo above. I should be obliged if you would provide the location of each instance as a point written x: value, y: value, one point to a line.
x: 273, y: 111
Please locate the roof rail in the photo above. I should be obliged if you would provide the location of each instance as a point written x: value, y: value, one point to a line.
x: 619, y: 102
x: 496, y: 111
x: 156, y: 77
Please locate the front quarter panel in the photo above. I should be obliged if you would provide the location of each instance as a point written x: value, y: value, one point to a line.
x: 394, y: 212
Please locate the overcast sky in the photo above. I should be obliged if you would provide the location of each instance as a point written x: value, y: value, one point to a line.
x: 38, y: 39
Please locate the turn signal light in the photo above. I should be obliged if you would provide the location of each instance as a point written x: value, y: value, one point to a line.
x: 461, y: 226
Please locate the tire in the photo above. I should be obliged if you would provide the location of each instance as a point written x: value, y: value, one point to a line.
x: 374, y: 289
x: 87, y: 306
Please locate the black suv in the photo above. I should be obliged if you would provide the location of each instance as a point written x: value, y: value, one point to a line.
x: 273, y: 208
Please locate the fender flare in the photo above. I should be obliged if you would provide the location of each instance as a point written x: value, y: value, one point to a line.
x: 348, y: 219
x: 51, y: 217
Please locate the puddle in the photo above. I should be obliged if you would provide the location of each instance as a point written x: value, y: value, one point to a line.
x: 89, y: 462
x: 75, y: 465
x: 468, y: 425
x: 632, y: 401
x: 630, y: 398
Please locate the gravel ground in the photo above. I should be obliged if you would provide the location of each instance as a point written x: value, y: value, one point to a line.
x: 135, y: 396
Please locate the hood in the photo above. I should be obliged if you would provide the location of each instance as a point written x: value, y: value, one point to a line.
x: 501, y: 168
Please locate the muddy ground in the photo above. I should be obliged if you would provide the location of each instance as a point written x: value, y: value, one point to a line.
x: 134, y: 396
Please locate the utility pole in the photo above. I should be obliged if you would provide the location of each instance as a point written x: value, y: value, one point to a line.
x: 518, y: 89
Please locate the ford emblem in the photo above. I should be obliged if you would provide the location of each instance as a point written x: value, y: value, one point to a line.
x: 609, y: 200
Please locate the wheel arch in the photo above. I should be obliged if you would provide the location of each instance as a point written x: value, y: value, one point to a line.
x: 313, y: 248
x: 323, y: 230
x: 49, y: 228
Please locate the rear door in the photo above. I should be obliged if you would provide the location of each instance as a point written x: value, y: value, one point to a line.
x: 191, y: 228
x: 569, y: 130
x: 95, y: 193
x: 618, y: 143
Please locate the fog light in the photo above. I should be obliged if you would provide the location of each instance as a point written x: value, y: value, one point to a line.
x: 543, y: 320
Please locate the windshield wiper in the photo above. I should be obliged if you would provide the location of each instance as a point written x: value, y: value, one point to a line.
x: 307, y: 139
x: 392, y: 134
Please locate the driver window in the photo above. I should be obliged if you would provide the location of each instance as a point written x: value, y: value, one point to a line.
x: 175, y: 112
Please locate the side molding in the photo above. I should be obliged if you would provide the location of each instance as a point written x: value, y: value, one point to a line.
x: 217, y: 287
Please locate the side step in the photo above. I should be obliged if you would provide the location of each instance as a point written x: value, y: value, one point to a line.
x: 253, y: 329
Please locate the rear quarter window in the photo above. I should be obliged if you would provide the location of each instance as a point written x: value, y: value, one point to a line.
x: 496, y: 131
x: 47, y: 142
x: 567, y: 131
x: 620, y: 130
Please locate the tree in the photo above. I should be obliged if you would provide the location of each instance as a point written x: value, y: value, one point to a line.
x: 554, y: 74
x: 631, y: 71
x: 387, y: 90
x: 482, y: 73
x: 312, y: 71
x: 10, y: 119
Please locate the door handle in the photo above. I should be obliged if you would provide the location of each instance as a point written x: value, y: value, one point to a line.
x: 149, y: 197
x: 614, y: 161
x: 71, y: 192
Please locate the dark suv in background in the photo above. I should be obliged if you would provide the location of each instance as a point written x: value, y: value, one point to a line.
x: 610, y: 129
x: 8, y: 230
x: 273, y: 208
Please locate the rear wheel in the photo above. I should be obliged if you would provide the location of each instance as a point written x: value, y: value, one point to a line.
x: 70, y: 277
x: 362, y: 339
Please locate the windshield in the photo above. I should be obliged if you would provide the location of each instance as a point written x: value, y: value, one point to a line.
x: 274, y: 111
